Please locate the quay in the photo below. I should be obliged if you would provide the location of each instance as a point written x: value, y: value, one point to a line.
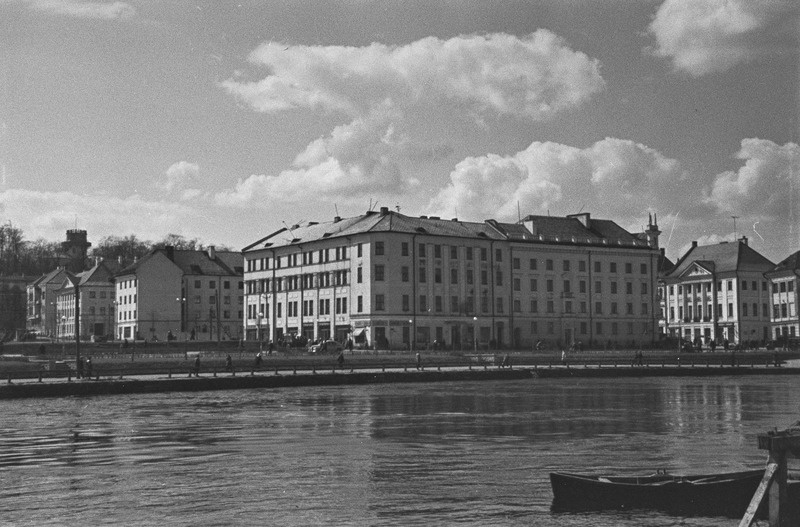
x: 280, y: 374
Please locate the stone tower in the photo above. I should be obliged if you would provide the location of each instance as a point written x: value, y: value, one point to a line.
x: 75, y: 248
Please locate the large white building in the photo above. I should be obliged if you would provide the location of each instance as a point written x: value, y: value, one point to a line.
x: 394, y: 281
x: 719, y: 292
x: 93, y: 307
x: 784, y: 282
x: 181, y: 294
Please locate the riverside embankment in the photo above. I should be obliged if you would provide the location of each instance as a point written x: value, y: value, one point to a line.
x: 109, y: 383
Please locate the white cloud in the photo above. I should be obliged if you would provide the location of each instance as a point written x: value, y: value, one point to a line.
x: 535, y: 76
x: 179, y: 174
x: 627, y: 178
x: 392, y: 95
x: 767, y: 186
x: 706, y: 36
x: 77, y: 9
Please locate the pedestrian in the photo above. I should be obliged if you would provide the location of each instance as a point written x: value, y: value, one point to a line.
x: 419, y: 362
x: 506, y: 361
x: 269, y: 348
x: 89, y: 368
x: 197, y: 366
x: 228, y: 363
x: 258, y: 360
x: 340, y: 358
x: 79, y: 368
x: 641, y: 358
x: 563, y: 357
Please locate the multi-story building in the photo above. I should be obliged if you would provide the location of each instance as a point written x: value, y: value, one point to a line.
x: 42, y: 309
x: 390, y: 280
x: 784, y: 282
x: 186, y: 294
x: 94, y: 306
x: 719, y: 292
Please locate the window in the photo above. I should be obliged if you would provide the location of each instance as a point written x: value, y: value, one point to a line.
x: 581, y: 266
x: 549, y: 285
x: 469, y: 253
x: 404, y: 249
x: 406, y: 303
x: 453, y: 276
x: 470, y: 276
x: 534, y: 306
x: 550, y: 306
x: 437, y: 275
x: 582, y: 286
x: 379, y: 303
x: 744, y: 310
x: 437, y: 303
x: 404, y: 273
x: 568, y: 306
x: 454, y: 304
x: 533, y: 264
x: 598, y: 307
x: 534, y: 284
x: 628, y: 268
x: 197, y: 284
x: 484, y: 254
x: 565, y: 265
x: 360, y: 250
x: 437, y: 251
x: 744, y: 286
x: 598, y: 287
x: 423, y: 303
x: 378, y: 273
x: 92, y: 294
x: 597, y: 267
x: 517, y: 284
x: 730, y: 285
x: 612, y: 267
x: 379, y: 249
x: 598, y: 328
x: 629, y: 310
x: 517, y: 305
x: 484, y: 277
x: 499, y: 277
x: 613, y: 288
x: 730, y: 310
x: 629, y: 288
x: 423, y: 276
x: 498, y: 255
x: 422, y: 250
x: 499, y: 302
x: 515, y: 263
x: 644, y: 288
x: 453, y: 252
x: 548, y: 264
x: 644, y: 308
x: 643, y: 268
x: 359, y: 275
x: 613, y: 308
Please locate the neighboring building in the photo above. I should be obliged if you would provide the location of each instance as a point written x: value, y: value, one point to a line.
x: 186, y: 294
x: 384, y: 277
x: 12, y: 306
x: 665, y: 266
x: 95, y: 303
x: 719, y: 292
x: 42, y: 308
x: 784, y: 280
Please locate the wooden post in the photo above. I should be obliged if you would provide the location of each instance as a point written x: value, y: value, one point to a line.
x: 781, y: 445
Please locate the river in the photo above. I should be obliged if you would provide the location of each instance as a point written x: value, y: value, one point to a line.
x: 472, y: 453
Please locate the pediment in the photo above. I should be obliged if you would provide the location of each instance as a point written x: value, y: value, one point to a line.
x: 698, y: 269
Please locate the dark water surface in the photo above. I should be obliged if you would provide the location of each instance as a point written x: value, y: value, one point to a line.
x: 417, y: 454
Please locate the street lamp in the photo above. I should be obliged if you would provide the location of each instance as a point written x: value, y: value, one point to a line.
x: 182, y: 300
x: 63, y: 339
x: 475, y: 333
x: 260, y: 335
x: 412, y: 337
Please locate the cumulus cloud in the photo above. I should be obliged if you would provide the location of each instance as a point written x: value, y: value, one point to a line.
x: 179, y: 174
x: 78, y: 9
x: 707, y: 36
x: 766, y: 187
x: 392, y: 94
x: 535, y: 76
x: 55, y: 212
x: 628, y: 178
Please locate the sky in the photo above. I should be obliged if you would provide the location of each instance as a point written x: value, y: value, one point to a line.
x: 224, y: 121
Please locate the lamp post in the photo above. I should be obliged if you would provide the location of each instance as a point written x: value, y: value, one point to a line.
x: 182, y: 300
x: 475, y: 333
x: 412, y: 336
x: 260, y: 334
x: 63, y: 340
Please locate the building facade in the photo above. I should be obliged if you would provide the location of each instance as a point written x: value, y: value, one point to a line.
x: 718, y: 293
x: 42, y: 317
x: 784, y: 281
x: 388, y: 280
x: 181, y: 294
x: 93, y: 307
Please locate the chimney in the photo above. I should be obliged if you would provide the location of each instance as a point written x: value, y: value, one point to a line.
x: 337, y: 219
x: 212, y: 252
x: 384, y: 211
x: 694, y: 244
x: 743, y: 240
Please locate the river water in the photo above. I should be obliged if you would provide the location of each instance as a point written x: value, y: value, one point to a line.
x: 475, y: 453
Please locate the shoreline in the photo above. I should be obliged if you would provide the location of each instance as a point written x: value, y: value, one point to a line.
x: 273, y: 380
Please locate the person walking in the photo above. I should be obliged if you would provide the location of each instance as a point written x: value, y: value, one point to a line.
x: 228, y: 363
x: 197, y: 366
x: 419, y: 361
x: 258, y: 360
x: 79, y: 368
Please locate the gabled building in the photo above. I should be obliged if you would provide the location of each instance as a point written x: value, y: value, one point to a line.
x: 95, y: 303
x: 719, y: 292
x: 181, y: 294
x: 42, y: 317
x: 784, y: 282
x: 389, y: 280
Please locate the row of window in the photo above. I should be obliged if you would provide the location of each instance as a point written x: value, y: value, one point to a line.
x: 705, y: 288
x: 292, y: 308
x: 696, y: 313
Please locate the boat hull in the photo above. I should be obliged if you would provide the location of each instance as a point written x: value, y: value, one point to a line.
x: 711, y: 495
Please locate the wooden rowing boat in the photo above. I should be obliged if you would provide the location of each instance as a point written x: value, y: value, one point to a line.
x: 703, y: 495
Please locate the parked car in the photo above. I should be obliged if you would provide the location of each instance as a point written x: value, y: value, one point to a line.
x: 326, y: 346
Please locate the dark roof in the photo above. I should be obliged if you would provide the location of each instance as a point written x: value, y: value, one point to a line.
x: 722, y: 258
x: 196, y: 262
x: 544, y: 228
x: 790, y: 263
x: 49, y: 277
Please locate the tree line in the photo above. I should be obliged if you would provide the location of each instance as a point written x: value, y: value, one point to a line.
x: 21, y: 257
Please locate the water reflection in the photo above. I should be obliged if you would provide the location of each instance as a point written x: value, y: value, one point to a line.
x: 476, y: 453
